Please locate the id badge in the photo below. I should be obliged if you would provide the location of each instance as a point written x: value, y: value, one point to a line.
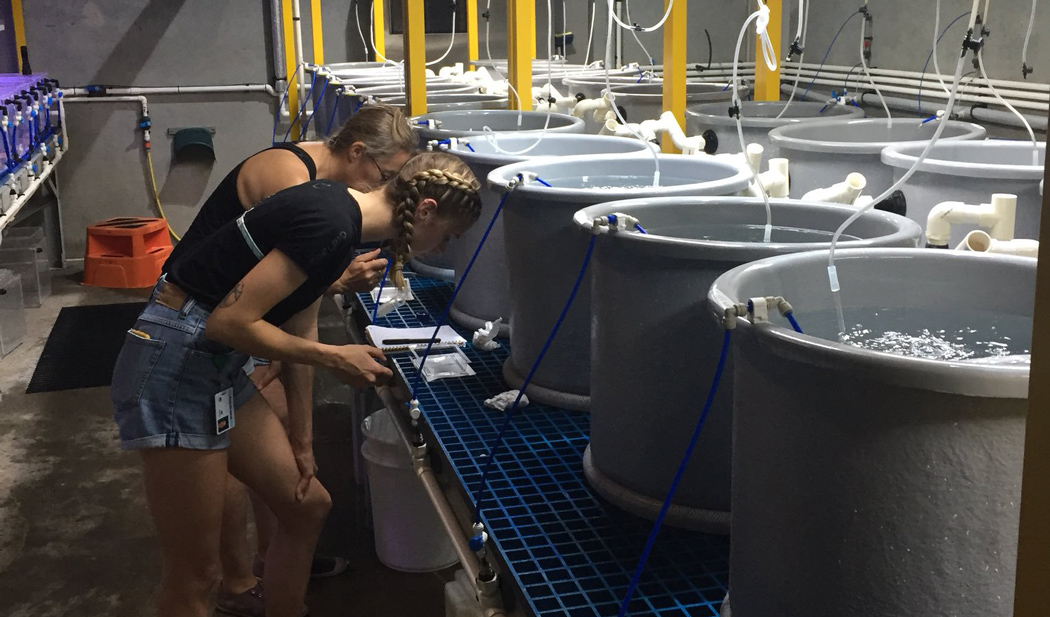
x: 224, y: 418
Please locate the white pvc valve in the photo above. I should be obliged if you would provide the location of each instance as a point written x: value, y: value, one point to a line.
x: 413, y: 410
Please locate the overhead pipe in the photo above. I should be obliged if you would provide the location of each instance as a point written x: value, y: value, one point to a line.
x: 97, y: 92
x: 975, y: 113
x: 280, y: 72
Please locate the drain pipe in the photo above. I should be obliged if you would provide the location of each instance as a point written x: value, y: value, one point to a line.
x: 980, y: 241
x: 998, y: 216
x: 845, y: 192
x: 487, y: 590
x: 280, y: 74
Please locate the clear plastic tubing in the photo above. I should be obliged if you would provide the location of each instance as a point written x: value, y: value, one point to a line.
x: 803, y: 30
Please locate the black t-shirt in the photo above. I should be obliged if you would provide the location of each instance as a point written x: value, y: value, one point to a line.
x: 224, y: 205
x: 317, y: 225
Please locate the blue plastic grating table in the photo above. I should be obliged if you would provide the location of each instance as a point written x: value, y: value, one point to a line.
x: 570, y: 553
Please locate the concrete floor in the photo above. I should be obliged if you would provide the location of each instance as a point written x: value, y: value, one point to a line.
x: 75, y: 536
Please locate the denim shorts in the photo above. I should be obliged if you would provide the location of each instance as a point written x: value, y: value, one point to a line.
x: 164, y: 383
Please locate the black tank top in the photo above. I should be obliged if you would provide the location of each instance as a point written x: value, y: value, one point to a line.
x: 224, y: 205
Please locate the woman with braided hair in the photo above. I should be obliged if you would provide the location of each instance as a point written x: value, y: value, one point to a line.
x: 253, y: 288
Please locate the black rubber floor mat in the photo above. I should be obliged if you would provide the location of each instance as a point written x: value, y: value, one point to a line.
x: 83, y: 346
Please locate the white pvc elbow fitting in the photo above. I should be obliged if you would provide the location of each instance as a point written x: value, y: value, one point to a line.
x: 998, y: 217
x: 980, y: 241
x: 845, y: 192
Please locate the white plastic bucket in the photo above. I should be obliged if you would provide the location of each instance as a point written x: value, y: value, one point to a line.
x: 408, y: 533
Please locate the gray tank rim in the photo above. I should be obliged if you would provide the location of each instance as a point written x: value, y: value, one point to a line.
x: 784, y: 136
x: 903, y: 156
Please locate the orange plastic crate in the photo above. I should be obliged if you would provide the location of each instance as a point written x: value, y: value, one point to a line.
x: 126, y: 252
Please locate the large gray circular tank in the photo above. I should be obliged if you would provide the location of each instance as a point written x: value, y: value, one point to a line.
x: 452, y: 102
x: 653, y: 349
x: 485, y: 295
x: 970, y: 171
x: 432, y: 88
x: 758, y: 118
x: 869, y: 484
x: 466, y: 123
x: 591, y: 86
x: 645, y: 101
x: 545, y: 252
x: 824, y: 153
x: 338, y: 99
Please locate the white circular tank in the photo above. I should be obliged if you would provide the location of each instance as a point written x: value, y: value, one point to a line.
x: 545, y: 251
x: 970, y: 172
x: 653, y: 347
x: 867, y: 484
x: 485, y: 295
x: 758, y: 119
x: 824, y: 153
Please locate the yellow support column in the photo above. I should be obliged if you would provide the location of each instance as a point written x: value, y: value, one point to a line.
x: 767, y: 82
x: 19, y: 28
x: 1032, y: 598
x: 317, y: 31
x: 415, y: 56
x: 675, y: 47
x: 379, y: 29
x: 472, y: 32
x: 291, y: 70
x: 521, y: 40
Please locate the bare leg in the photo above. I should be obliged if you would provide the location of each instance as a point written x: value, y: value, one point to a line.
x: 261, y: 457
x: 273, y: 391
x: 234, y: 550
x: 185, y: 490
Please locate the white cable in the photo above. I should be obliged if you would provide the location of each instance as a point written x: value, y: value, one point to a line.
x: 1028, y: 37
x: 489, y: 133
x: 660, y: 24
x: 451, y: 43
x: 801, y: 8
x: 864, y: 64
x: 634, y: 33
x: 372, y: 32
x: 941, y: 125
x: 803, y: 22
x: 936, y: 39
x: 761, y: 19
x: 590, y: 36
x: 609, y: 96
x: 1006, y: 104
x: 360, y: 32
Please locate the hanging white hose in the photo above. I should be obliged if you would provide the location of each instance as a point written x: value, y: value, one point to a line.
x: 1025, y: 69
x: 761, y: 19
x: 372, y: 32
x: 590, y: 35
x: 451, y: 42
x: 833, y: 276
x: 864, y: 65
x: 936, y: 38
x: 490, y: 135
x: 634, y: 28
x: 800, y: 36
x: 634, y: 33
x: 360, y: 32
x: 1013, y: 110
x: 609, y: 96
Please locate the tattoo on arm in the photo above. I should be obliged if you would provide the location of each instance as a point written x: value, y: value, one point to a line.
x: 233, y: 296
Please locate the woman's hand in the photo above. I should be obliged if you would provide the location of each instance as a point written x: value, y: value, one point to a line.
x: 304, y: 460
x: 363, y: 274
x: 360, y: 365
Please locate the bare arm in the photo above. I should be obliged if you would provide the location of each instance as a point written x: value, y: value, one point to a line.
x: 267, y: 173
x: 298, y: 387
x: 238, y: 322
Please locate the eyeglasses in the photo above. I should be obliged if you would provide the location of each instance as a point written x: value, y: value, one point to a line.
x: 384, y: 176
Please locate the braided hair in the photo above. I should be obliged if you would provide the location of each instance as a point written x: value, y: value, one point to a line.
x: 435, y: 175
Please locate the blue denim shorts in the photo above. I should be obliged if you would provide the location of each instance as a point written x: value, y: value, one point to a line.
x: 164, y: 383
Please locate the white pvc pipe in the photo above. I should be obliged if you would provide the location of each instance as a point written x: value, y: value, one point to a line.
x: 150, y: 91
x: 936, y: 93
x: 998, y: 216
x: 981, y: 242
x: 845, y: 192
x: 972, y: 85
x: 141, y: 100
x: 1018, y: 85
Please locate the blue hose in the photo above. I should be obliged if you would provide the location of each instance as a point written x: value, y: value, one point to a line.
x: 331, y: 118
x: 544, y: 183
x: 641, y: 229
x: 930, y: 57
x: 302, y: 107
x: 455, y: 292
x: 678, y: 476
x: 794, y: 322
x: 7, y: 151
x: 828, y: 53
x: 317, y: 101
x: 490, y: 461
